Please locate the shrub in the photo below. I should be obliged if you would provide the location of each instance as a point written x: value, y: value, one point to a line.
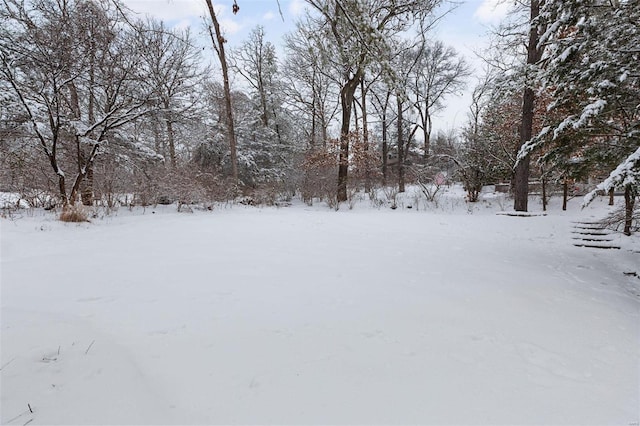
x: 74, y: 213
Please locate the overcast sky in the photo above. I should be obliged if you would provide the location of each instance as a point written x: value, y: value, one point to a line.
x: 465, y: 29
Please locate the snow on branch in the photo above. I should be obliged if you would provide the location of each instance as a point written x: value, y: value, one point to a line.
x: 532, y: 144
x: 589, y: 111
x: 627, y: 173
x: 570, y: 122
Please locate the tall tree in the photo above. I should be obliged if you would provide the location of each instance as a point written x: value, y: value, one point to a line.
x: 218, y: 41
x: 534, y: 54
x: 405, y: 62
x: 381, y: 102
x: 173, y: 64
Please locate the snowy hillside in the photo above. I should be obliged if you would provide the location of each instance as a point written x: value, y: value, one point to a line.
x: 303, y: 315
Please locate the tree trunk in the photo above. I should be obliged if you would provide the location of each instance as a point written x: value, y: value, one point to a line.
x: 92, y: 83
x: 356, y: 120
x: 170, y: 136
x: 365, y: 139
x: 263, y: 103
x: 521, y: 175
x: 218, y: 45
x: 544, y: 193
x: 385, y: 151
x: 324, y: 135
x: 314, y: 103
x: 156, y: 136
x: 84, y: 186
x: 62, y: 188
x: 346, y: 100
x: 87, y: 190
x: 53, y: 160
x: 312, y: 140
x: 611, y: 192
x: 400, y: 146
x: 521, y: 178
x: 565, y: 193
x: 629, y: 204
x: 80, y: 164
x: 385, y: 142
x: 86, y: 166
x: 427, y: 126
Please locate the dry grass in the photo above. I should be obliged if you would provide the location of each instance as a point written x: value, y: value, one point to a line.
x: 74, y: 213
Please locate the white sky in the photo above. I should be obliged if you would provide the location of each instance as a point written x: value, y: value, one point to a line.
x: 464, y: 29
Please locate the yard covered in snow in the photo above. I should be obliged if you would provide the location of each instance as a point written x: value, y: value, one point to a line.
x: 303, y: 315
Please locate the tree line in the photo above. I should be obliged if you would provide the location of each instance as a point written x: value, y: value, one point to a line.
x: 96, y: 104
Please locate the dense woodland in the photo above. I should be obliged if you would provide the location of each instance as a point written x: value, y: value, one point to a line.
x: 99, y: 108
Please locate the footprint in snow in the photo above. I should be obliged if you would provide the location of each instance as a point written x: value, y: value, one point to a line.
x: 551, y: 362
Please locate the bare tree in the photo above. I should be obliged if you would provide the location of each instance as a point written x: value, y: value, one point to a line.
x: 474, y: 159
x: 406, y: 62
x: 309, y: 85
x: 173, y: 64
x: 255, y: 60
x: 74, y: 101
x: 218, y: 41
x: 380, y: 103
x: 439, y: 72
x: 357, y: 33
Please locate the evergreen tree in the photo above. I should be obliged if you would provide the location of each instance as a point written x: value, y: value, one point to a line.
x: 594, y: 76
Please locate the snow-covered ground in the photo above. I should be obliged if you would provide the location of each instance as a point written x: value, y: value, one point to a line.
x: 303, y: 315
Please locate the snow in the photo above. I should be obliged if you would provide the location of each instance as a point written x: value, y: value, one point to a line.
x: 606, y: 85
x: 299, y: 315
x: 567, y: 53
x: 623, y: 77
x: 10, y: 200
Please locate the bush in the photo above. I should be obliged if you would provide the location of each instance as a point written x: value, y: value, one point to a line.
x: 320, y: 167
x: 74, y: 213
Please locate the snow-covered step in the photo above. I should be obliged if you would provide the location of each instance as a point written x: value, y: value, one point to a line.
x: 599, y: 235
x: 598, y: 246
x: 592, y: 235
x: 592, y: 239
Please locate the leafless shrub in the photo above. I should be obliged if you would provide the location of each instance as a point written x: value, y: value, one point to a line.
x: 353, y: 196
x: 374, y: 197
x: 110, y: 180
x: 319, y: 179
x: 333, y: 203
x: 10, y: 212
x: 430, y: 181
x: 616, y: 220
x: 391, y: 194
x: 268, y: 194
x: 364, y: 170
